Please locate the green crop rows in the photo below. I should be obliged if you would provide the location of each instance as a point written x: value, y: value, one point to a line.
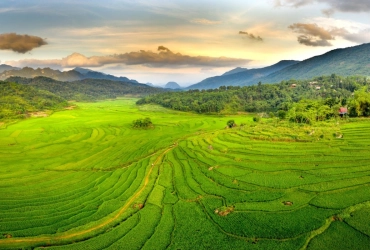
x: 85, y: 179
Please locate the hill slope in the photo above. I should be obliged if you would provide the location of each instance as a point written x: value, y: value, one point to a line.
x: 87, y: 89
x: 18, y: 100
x: 245, y: 77
x: 344, y: 62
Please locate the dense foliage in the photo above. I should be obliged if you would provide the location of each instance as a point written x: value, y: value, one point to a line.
x: 328, y: 93
x: 17, y: 100
x: 87, y: 89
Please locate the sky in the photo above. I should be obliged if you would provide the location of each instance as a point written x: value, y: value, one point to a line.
x: 158, y: 41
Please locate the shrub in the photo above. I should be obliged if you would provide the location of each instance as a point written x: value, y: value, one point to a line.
x: 231, y: 123
x: 256, y: 118
x: 281, y: 114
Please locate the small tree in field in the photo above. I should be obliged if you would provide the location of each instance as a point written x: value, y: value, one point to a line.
x: 231, y: 123
x: 142, y: 123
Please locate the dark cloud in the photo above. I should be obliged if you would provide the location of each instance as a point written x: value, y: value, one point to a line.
x: 164, y: 58
x: 162, y: 48
x: 251, y: 36
x: 348, y: 5
x: 335, y: 5
x: 309, y: 41
x: 20, y: 43
x: 312, y: 34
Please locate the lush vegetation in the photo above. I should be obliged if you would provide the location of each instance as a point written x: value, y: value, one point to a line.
x: 19, y: 101
x: 316, y: 99
x: 86, y: 179
x: 87, y: 89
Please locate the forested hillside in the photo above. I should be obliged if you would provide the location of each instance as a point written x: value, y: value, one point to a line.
x: 330, y: 91
x: 346, y: 62
x: 17, y: 100
x: 87, y: 89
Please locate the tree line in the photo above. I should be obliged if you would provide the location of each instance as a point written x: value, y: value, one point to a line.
x: 316, y: 99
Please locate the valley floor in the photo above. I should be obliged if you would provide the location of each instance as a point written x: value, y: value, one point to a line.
x: 85, y: 179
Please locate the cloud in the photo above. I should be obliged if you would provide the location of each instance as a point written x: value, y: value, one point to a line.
x: 162, y: 48
x: 348, y: 5
x: 251, y: 36
x: 20, y: 43
x: 164, y: 58
x: 312, y: 34
x: 293, y: 3
x: 335, y: 5
x: 204, y: 21
x: 362, y: 36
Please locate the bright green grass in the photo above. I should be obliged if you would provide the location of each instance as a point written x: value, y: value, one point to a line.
x: 77, y: 169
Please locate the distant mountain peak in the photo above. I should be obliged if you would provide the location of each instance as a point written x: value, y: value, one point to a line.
x: 172, y: 85
x: 234, y: 71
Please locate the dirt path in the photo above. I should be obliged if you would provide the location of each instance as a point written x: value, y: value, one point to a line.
x: 54, y: 238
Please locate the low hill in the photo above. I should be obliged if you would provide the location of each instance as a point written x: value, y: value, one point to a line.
x: 172, y: 85
x: 98, y: 75
x: 87, y: 89
x: 244, y: 77
x: 71, y: 75
x: 345, y: 62
x: 18, y: 100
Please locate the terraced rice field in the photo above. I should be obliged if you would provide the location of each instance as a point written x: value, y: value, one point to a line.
x: 84, y: 179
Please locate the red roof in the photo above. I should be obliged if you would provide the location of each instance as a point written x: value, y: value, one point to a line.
x: 343, y: 110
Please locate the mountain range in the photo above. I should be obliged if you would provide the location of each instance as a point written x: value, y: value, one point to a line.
x: 241, y: 77
x: 345, y: 62
x: 71, y: 75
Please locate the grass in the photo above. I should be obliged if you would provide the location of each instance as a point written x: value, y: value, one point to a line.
x: 85, y: 179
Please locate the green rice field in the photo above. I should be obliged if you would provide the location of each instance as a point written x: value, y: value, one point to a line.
x: 85, y: 179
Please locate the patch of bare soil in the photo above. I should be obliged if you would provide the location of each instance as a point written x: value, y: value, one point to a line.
x: 287, y: 203
x: 70, y: 107
x: 224, y: 211
x: 39, y: 114
x: 138, y: 206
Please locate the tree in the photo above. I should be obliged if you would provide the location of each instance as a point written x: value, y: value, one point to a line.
x: 142, y: 123
x: 231, y: 123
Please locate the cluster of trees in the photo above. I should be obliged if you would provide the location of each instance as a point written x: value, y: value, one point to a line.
x: 359, y: 105
x: 301, y: 101
x: 142, y: 123
x: 17, y: 100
